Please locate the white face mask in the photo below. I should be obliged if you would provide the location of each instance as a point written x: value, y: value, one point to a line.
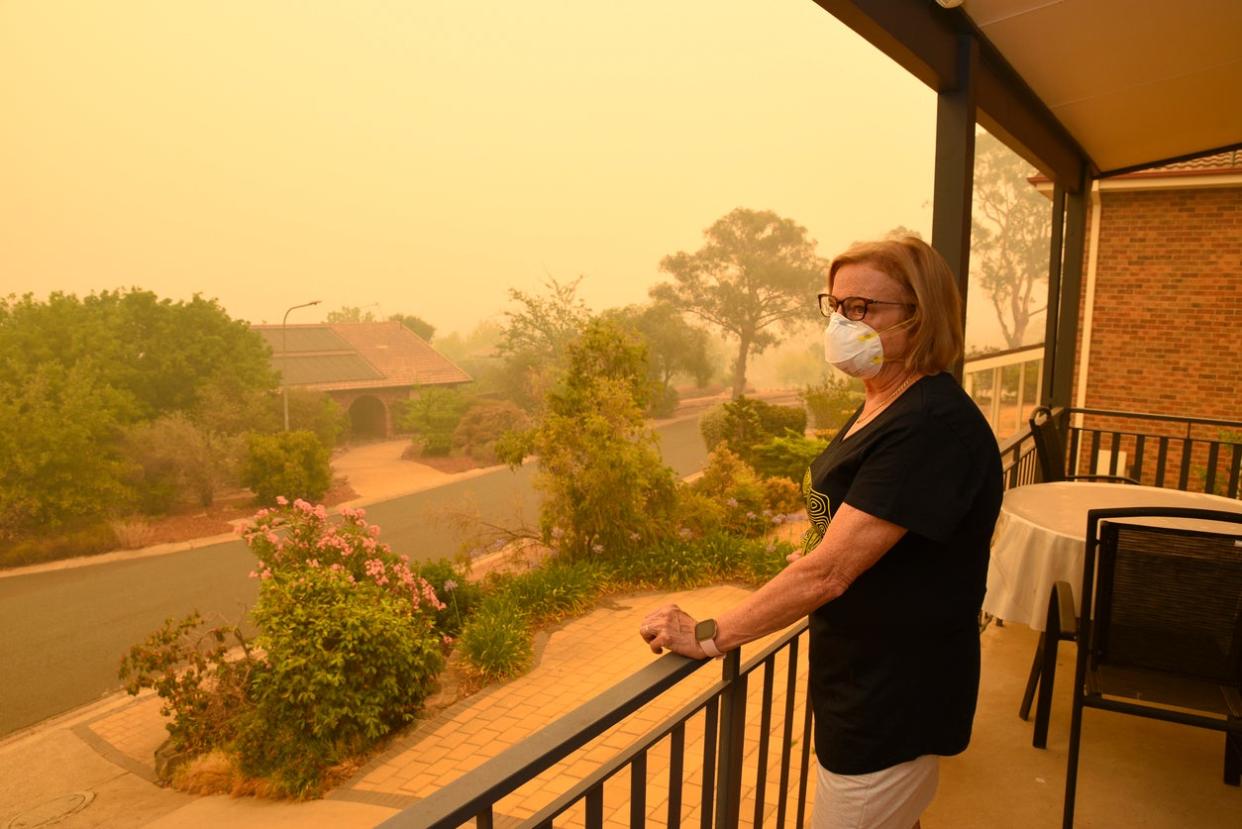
x: 853, y: 347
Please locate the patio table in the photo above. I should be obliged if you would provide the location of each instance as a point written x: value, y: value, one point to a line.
x: 1040, y: 539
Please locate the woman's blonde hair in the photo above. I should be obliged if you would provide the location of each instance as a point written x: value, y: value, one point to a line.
x: 936, y: 326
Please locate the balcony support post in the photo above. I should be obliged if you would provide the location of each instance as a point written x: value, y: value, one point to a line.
x: 955, y: 170
x: 1069, y: 211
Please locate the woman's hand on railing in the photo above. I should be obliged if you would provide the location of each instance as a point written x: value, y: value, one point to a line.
x: 673, y: 628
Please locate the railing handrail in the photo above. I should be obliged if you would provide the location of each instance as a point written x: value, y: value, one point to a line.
x: 1194, y: 421
x: 466, y: 796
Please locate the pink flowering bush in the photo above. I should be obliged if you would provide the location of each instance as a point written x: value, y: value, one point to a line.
x: 347, y: 651
x: 348, y: 629
x: 293, y: 537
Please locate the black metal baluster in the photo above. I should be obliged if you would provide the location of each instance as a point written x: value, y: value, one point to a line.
x: 732, y: 741
x: 1139, y: 440
x: 765, y: 725
x: 595, y: 807
x: 483, y: 820
x: 1234, y: 466
x: 806, y: 760
x: 1162, y: 455
x: 676, y: 763
x: 1184, y: 474
x: 791, y: 688
x: 1115, y: 453
x: 1095, y: 452
x: 709, y: 761
x: 638, y: 791
x: 1209, y: 480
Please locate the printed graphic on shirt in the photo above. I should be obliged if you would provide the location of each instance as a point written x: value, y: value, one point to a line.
x: 819, y: 511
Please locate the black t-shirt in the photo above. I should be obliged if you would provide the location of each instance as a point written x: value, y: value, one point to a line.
x: 895, y: 659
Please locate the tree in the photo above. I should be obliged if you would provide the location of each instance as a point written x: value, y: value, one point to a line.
x: 75, y: 374
x: 536, y: 338
x: 158, y: 354
x: 606, y: 488
x: 58, y: 438
x: 673, y: 347
x: 1010, y: 237
x: 418, y: 325
x: 755, y: 272
x: 350, y: 313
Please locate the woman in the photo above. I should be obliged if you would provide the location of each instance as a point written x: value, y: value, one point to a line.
x: 902, y: 504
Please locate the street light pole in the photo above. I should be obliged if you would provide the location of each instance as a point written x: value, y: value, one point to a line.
x: 284, y: 354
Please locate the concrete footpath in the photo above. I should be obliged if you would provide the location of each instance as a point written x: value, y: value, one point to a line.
x: 95, y: 765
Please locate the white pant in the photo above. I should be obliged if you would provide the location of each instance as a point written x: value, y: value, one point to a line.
x: 892, y: 798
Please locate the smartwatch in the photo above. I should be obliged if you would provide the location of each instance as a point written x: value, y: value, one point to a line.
x: 705, y: 633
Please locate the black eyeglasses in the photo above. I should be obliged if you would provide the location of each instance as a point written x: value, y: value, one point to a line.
x: 853, y: 307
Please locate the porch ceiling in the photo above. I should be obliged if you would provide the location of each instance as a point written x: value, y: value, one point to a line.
x: 1110, y: 84
x: 1133, y: 81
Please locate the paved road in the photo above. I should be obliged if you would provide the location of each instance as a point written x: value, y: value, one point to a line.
x: 62, y: 633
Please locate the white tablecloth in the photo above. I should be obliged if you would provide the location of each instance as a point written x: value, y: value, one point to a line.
x: 1041, y: 532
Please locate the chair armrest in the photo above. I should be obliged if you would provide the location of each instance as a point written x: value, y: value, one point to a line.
x: 1119, y: 478
x: 1063, y: 595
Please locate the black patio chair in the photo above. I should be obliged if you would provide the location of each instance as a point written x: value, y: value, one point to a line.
x: 1051, y: 451
x: 1164, y: 640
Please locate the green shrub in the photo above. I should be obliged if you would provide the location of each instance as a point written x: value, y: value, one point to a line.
x: 289, y: 464
x: 777, y: 420
x: 432, y: 416
x: 346, y: 663
x: 557, y: 590
x: 434, y: 445
x: 663, y: 402
x: 832, y: 402
x: 744, y: 423
x: 733, y: 485
x: 176, y: 462
x: 697, y: 514
x: 782, y: 496
x: 483, y: 424
x: 95, y: 538
x: 496, y: 641
x: 787, y: 456
x: 685, y: 563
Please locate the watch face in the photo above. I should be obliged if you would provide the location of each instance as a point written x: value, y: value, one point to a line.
x: 704, y: 630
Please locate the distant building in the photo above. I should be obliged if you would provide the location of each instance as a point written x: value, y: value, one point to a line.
x: 366, y: 367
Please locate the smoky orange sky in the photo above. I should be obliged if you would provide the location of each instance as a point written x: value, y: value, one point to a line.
x: 425, y: 156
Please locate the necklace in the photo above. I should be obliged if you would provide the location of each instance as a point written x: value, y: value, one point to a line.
x: 866, y: 418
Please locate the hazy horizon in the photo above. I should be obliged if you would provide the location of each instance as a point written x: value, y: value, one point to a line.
x: 425, y: 159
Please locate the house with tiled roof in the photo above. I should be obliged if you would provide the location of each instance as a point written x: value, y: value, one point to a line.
x: 366, y: 367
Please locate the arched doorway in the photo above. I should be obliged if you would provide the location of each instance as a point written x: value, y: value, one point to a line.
x: 368, y: 418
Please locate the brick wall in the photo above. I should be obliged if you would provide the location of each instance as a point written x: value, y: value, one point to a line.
x: 1167, y: 332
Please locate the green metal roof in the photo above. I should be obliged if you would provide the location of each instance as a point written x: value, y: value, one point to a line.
x: 317, y: 338
x: 323, y: 368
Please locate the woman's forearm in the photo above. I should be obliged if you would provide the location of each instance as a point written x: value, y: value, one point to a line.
x: 853, y: 543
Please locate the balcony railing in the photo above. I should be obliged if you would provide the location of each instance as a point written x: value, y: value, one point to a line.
x: 1188, y: 453
x: 729, y: 742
